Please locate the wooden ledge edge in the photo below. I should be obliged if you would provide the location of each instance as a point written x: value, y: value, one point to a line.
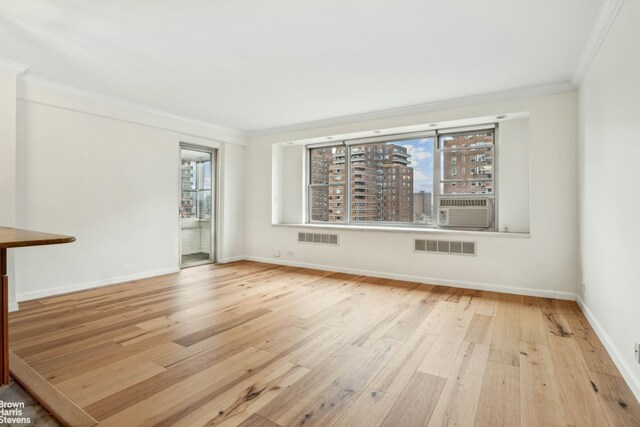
x: 60, y: 406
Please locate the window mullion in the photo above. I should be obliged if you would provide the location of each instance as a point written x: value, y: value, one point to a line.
x: 347, y: 182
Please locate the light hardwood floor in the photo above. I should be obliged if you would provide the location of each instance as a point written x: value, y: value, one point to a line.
x: 261, y: 345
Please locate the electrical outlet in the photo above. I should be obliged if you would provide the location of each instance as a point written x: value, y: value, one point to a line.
x: 637, y: 353
x: 276, y: 252
x: 289, y: 253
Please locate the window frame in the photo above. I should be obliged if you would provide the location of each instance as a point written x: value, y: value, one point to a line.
x: 435, y: 194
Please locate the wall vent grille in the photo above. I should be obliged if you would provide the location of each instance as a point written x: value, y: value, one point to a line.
x: 463, y: 202
x: 322, y: 239
x: 453, y: 247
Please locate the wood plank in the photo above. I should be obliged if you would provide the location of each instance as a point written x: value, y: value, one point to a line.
x: 499, y: 403
x: 94, y: 386
x: 256, y: 420
x: 369, y: 409
x: 580, y: 398
x: 417, y: 402
x: 463, y: 385
x: 532, y: 327
x: 506, y: 334
x: 210, y: 331
x: 411, y: 319
x: 332, y: 401
x: 396, y: 374
x: 239, y: 403
x: 618, y: 401
x: 182, y: 393
x: 591, y: 349
x: 74, y: 374
x: 442, y: 354
x: 302, y: 393
x: 436, y: 320
x: 66, y: 411
x: 539, y: 394
x: 480, y: 329
x: 559, y: 306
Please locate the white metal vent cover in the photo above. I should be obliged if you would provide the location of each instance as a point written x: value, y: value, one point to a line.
x: 454, y: 247
x: 322, y: 239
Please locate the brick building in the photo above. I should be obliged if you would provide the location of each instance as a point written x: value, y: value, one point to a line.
x: 467, y: 165
x: 381, y: 184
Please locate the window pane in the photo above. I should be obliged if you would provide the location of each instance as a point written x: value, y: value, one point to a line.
x: 326, y: 163
x: 467, y: 163
x: 392, y: 181
x: 327, y: 203
x: 469, y: 140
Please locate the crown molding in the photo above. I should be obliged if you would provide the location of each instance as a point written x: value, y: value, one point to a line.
x: 508, y: 95
x: 42, y: 91
x: 599, y: 31
x: 13, y: 67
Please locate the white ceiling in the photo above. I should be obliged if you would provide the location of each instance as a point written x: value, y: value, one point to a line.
x: 259, y: 64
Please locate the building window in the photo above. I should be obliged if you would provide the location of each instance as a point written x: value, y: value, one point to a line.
x: 398, y: 180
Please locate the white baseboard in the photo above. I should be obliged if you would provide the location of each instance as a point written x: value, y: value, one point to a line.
x: 13, y: 307
x: 621, y: 364
x: 232, y: 259
x: 25, y: 296
x: 421, y: 279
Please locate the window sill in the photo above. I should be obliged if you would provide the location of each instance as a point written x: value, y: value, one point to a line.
x: 412, y: 230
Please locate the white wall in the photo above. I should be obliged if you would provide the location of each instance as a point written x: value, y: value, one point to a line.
x: 9, y: 75
x: 293, y: 183
x: 231, y: 200
x: 114, y: 185
x: 513, y: 176
x: 545, y: 263
x: 610, y: 201
x: 8, y: 88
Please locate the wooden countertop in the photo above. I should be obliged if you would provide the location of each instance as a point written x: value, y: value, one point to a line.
x: 15, y: 238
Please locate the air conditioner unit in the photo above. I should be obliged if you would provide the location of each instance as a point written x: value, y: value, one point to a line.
x: 465, y: 212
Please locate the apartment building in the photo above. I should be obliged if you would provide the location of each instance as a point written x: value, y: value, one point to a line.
x: 381, y: 184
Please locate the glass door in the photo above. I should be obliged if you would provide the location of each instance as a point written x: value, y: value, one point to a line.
x: 197, y: 206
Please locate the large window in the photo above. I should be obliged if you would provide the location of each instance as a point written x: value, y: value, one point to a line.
x: 399, y: 180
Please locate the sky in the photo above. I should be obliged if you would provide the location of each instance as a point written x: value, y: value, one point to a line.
x: 421, y: 151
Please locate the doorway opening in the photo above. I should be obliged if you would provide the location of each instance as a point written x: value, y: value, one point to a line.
x: 197, y: 205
